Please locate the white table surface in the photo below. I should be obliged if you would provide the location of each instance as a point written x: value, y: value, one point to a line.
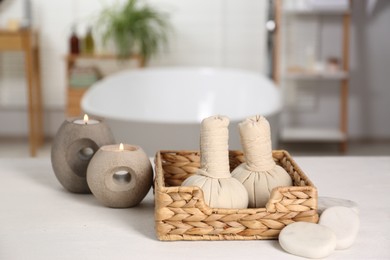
x: 40, y: 220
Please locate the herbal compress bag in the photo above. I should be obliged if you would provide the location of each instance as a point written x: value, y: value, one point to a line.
x: 259, y: 173
x: 220, y: 190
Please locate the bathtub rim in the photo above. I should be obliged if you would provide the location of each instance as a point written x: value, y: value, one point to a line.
x: 199, y: 69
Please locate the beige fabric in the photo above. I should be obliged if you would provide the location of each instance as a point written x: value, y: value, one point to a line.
x: 255, y: 136
x: 220, y: 190
x: 259, y: 174
x: 214, y: 147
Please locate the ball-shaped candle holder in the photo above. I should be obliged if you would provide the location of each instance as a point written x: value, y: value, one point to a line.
x: 75, y: 143
x: 120, y: 176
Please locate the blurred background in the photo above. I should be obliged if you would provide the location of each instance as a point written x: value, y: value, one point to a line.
x: 330, y: 60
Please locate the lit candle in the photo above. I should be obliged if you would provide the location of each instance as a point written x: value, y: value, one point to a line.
x: 86, y: 121
x: 74, y: 146
x: 120, y: 176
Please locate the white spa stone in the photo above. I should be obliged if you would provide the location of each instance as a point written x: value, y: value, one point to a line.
x: 307, y: 240
x: 327, y: 202
x: 344, y: 222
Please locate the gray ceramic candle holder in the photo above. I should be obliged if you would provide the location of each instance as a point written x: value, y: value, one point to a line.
x: 120, y: 178
x: 73, y: 147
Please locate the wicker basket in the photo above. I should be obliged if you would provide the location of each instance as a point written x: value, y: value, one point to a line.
x: 181, y: 213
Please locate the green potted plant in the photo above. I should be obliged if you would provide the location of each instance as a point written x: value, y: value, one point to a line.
x: 134, y: 28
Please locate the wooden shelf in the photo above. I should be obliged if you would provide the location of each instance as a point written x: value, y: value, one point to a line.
x: 312, y: 135
x: 316, y: 11
x: 73, y: 108
x: 74, y: 57
x: 284, y: 8
x: 336, y: 75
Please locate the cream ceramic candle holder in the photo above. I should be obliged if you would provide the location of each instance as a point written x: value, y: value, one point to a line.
x: 120, y: 176
x: 74, y: 145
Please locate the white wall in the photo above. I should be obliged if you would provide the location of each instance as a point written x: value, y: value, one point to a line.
x: 222, y: 33
x: 370, y: 60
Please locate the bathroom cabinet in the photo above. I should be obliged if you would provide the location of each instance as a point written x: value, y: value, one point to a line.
x: 306, y: 61
x: 74, y: 94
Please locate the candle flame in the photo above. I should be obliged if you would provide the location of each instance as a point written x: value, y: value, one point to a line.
x: 121, y: 147
x: 86, y: 118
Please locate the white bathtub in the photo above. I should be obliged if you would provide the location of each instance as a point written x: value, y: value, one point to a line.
x: 161, y: 108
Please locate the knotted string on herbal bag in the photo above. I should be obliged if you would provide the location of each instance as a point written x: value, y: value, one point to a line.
x: 214, y: 147
x: 255, y: 135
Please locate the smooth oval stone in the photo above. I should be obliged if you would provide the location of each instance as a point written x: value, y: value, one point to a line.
x: 327, y: 202
x: 344, y: 222
x: 307, y: 240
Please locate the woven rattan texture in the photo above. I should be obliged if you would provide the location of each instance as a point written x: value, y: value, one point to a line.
x: 181, y: 214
